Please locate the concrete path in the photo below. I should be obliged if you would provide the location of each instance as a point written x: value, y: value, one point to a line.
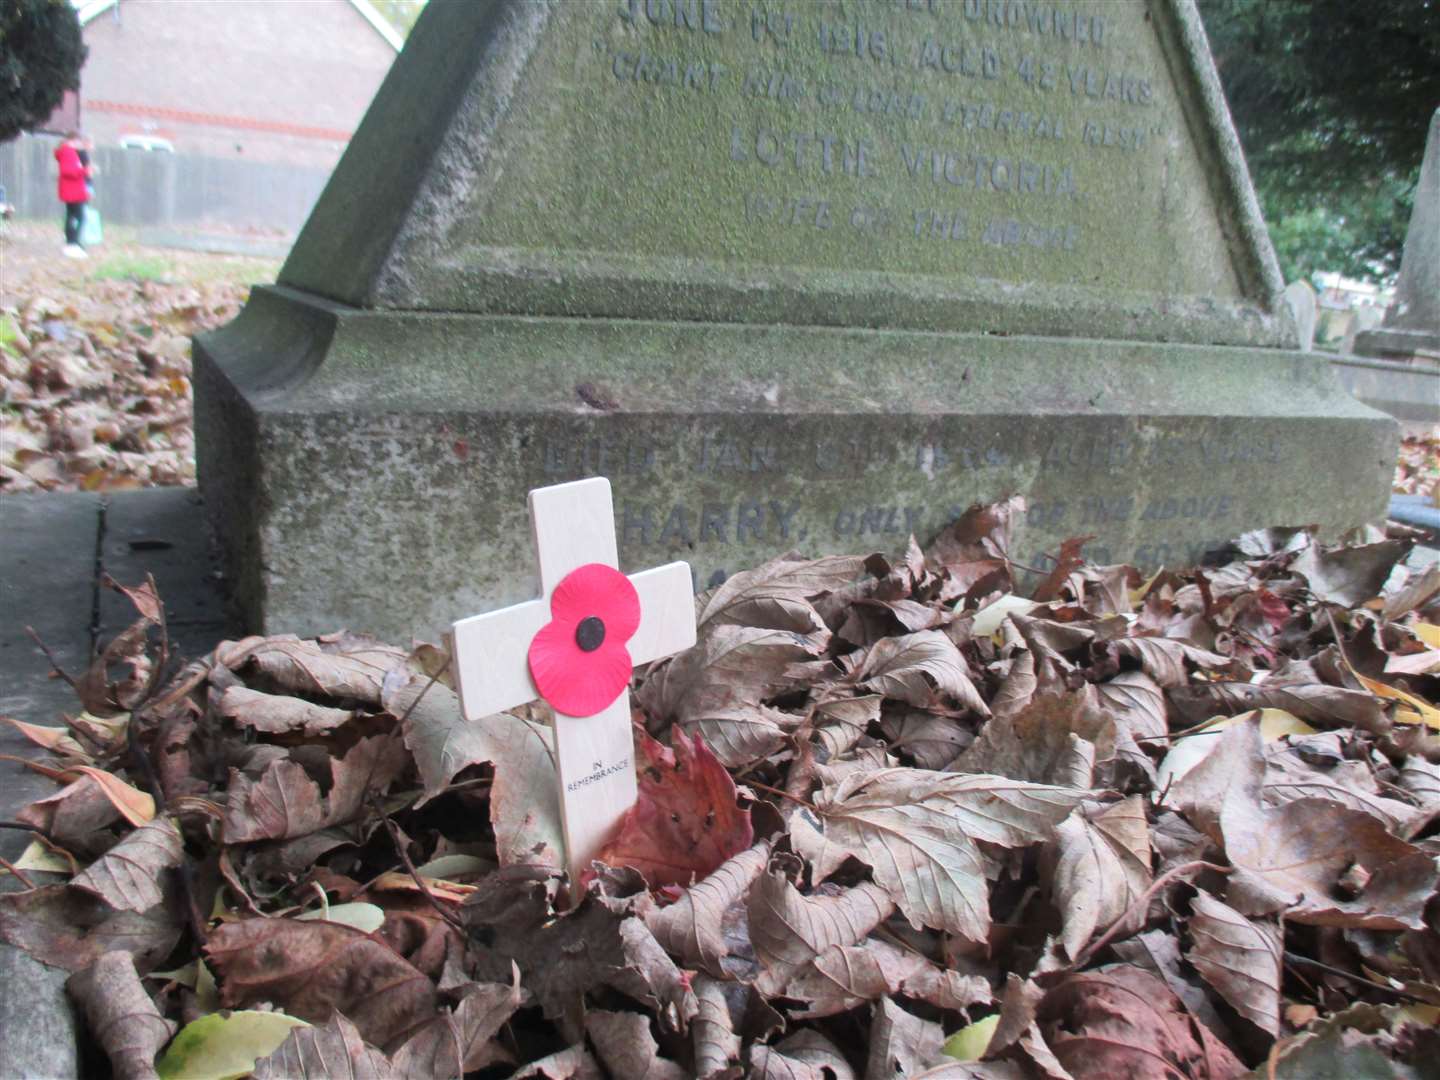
x: 54, y: 551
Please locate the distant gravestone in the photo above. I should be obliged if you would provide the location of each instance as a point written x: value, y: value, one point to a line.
x: 1363, y: 320
x: 790, y: 276
x: 1412, y: 322
x: 1301, y: 302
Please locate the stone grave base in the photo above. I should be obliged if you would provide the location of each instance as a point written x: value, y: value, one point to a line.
x: 368, y: 469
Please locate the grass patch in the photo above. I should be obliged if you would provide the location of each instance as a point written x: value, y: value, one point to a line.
x: 8, y: 333
x: 133, y: 267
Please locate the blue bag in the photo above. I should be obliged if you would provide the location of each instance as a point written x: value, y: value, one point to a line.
x: 91, y: 232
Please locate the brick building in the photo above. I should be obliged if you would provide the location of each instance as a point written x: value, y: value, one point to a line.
x: 266, y: 81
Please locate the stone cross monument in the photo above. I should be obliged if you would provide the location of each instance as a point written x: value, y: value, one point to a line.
x: 791, y: 276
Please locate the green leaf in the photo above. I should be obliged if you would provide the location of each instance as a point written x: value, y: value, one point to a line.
x: 367, y: 918
x: 224, y: 1045
x: 970, y: 1042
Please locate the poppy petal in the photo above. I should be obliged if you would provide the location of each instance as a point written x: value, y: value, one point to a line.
x: 553, y: 655
x: 602, y: 591
x: 580, y: 687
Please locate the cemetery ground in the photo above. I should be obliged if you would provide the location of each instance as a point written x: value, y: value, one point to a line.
x: 95, y: 357
x: 900, y: 815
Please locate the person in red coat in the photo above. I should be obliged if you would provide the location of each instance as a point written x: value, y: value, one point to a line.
x: 73, y: 190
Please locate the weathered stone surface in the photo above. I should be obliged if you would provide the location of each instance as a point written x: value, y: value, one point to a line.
x: 1300, y: 299
x: 1409, y: 392
x: 727, y: 444
x: 1062, y: 169
x: 47, y: 581
x: 811, y: 279
x: 39, y: 1023
x: 1412, y: 322
x: 153, y: 532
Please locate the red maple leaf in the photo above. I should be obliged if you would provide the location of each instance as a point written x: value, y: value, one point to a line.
x: 685, y: 821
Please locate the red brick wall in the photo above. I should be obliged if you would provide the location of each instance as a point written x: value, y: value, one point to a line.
x: 264, y: 80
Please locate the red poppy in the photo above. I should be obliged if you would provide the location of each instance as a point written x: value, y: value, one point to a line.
x: 578, y: 660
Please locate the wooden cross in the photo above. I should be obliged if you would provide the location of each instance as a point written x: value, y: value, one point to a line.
x: 573, y: 526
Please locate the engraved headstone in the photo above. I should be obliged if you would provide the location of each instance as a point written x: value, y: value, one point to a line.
x: 1301, y: 302
x: 1411, y: 330
x: 790, y: 275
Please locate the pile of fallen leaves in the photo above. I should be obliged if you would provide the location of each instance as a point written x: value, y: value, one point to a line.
x: 1417, y: 472
x: 896, y: 820
x: 95, y: 384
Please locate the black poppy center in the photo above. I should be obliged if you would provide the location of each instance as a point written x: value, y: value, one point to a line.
x: 590, y: 634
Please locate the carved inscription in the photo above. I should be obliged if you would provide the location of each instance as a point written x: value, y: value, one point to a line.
x: 598, y: 771
x: 901, y: 121
x: 766, y: 513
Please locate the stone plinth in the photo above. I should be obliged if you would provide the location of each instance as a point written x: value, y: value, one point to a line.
x: 1411, y: 330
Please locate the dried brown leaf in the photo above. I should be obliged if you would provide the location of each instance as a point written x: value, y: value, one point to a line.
x: 1018, y: 687
x: 1099, y: 867
x: 982, y: 535
x: 1053, y: 740
x: 914, y: 668
x: 901, y: 1043
x: 57, y: 740
x: 135, y: 806
x: 311, y: 968
x: 1421, y: 779
x: 1315, y: 703
x: 840, y: 724
x: 788, y: 930
x: 68, y: 928
x: 1236, y: 765
x: 1158, y: 952
x: 712, y: 1033
x: 330, y: 1051
x: 805, y: 1055
x: 715, y: 688
x: 690, y: 928
x: 461, y: 1040
x: 442, y: 741
x: 127, y: 876
x: 1137, y: 702
x: 305, y: 668
x: 524, y: 806
x: 1352, y: 575
x: 603, y: 942
x: 686, y: 820
x: 121, y: 1015
x: 285, y: 803
x: 1067, y: 563
x: 1167, y: 660
x: 572, y: 1063
x: 1288, y: 776
x: 75, y: 815
x: 1420, y: 590
x: 1299, y: 858
x: 279, y: 714
x: 917, y: 831
x: 1121, y: 1021
x: 843, y: 977
x: 930, y: 740
x: 625, y: 1045
x: 1239, y: 957
x: 775, y: 595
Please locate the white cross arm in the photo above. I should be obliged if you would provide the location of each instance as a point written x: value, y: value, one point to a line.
x: 496, y: 645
